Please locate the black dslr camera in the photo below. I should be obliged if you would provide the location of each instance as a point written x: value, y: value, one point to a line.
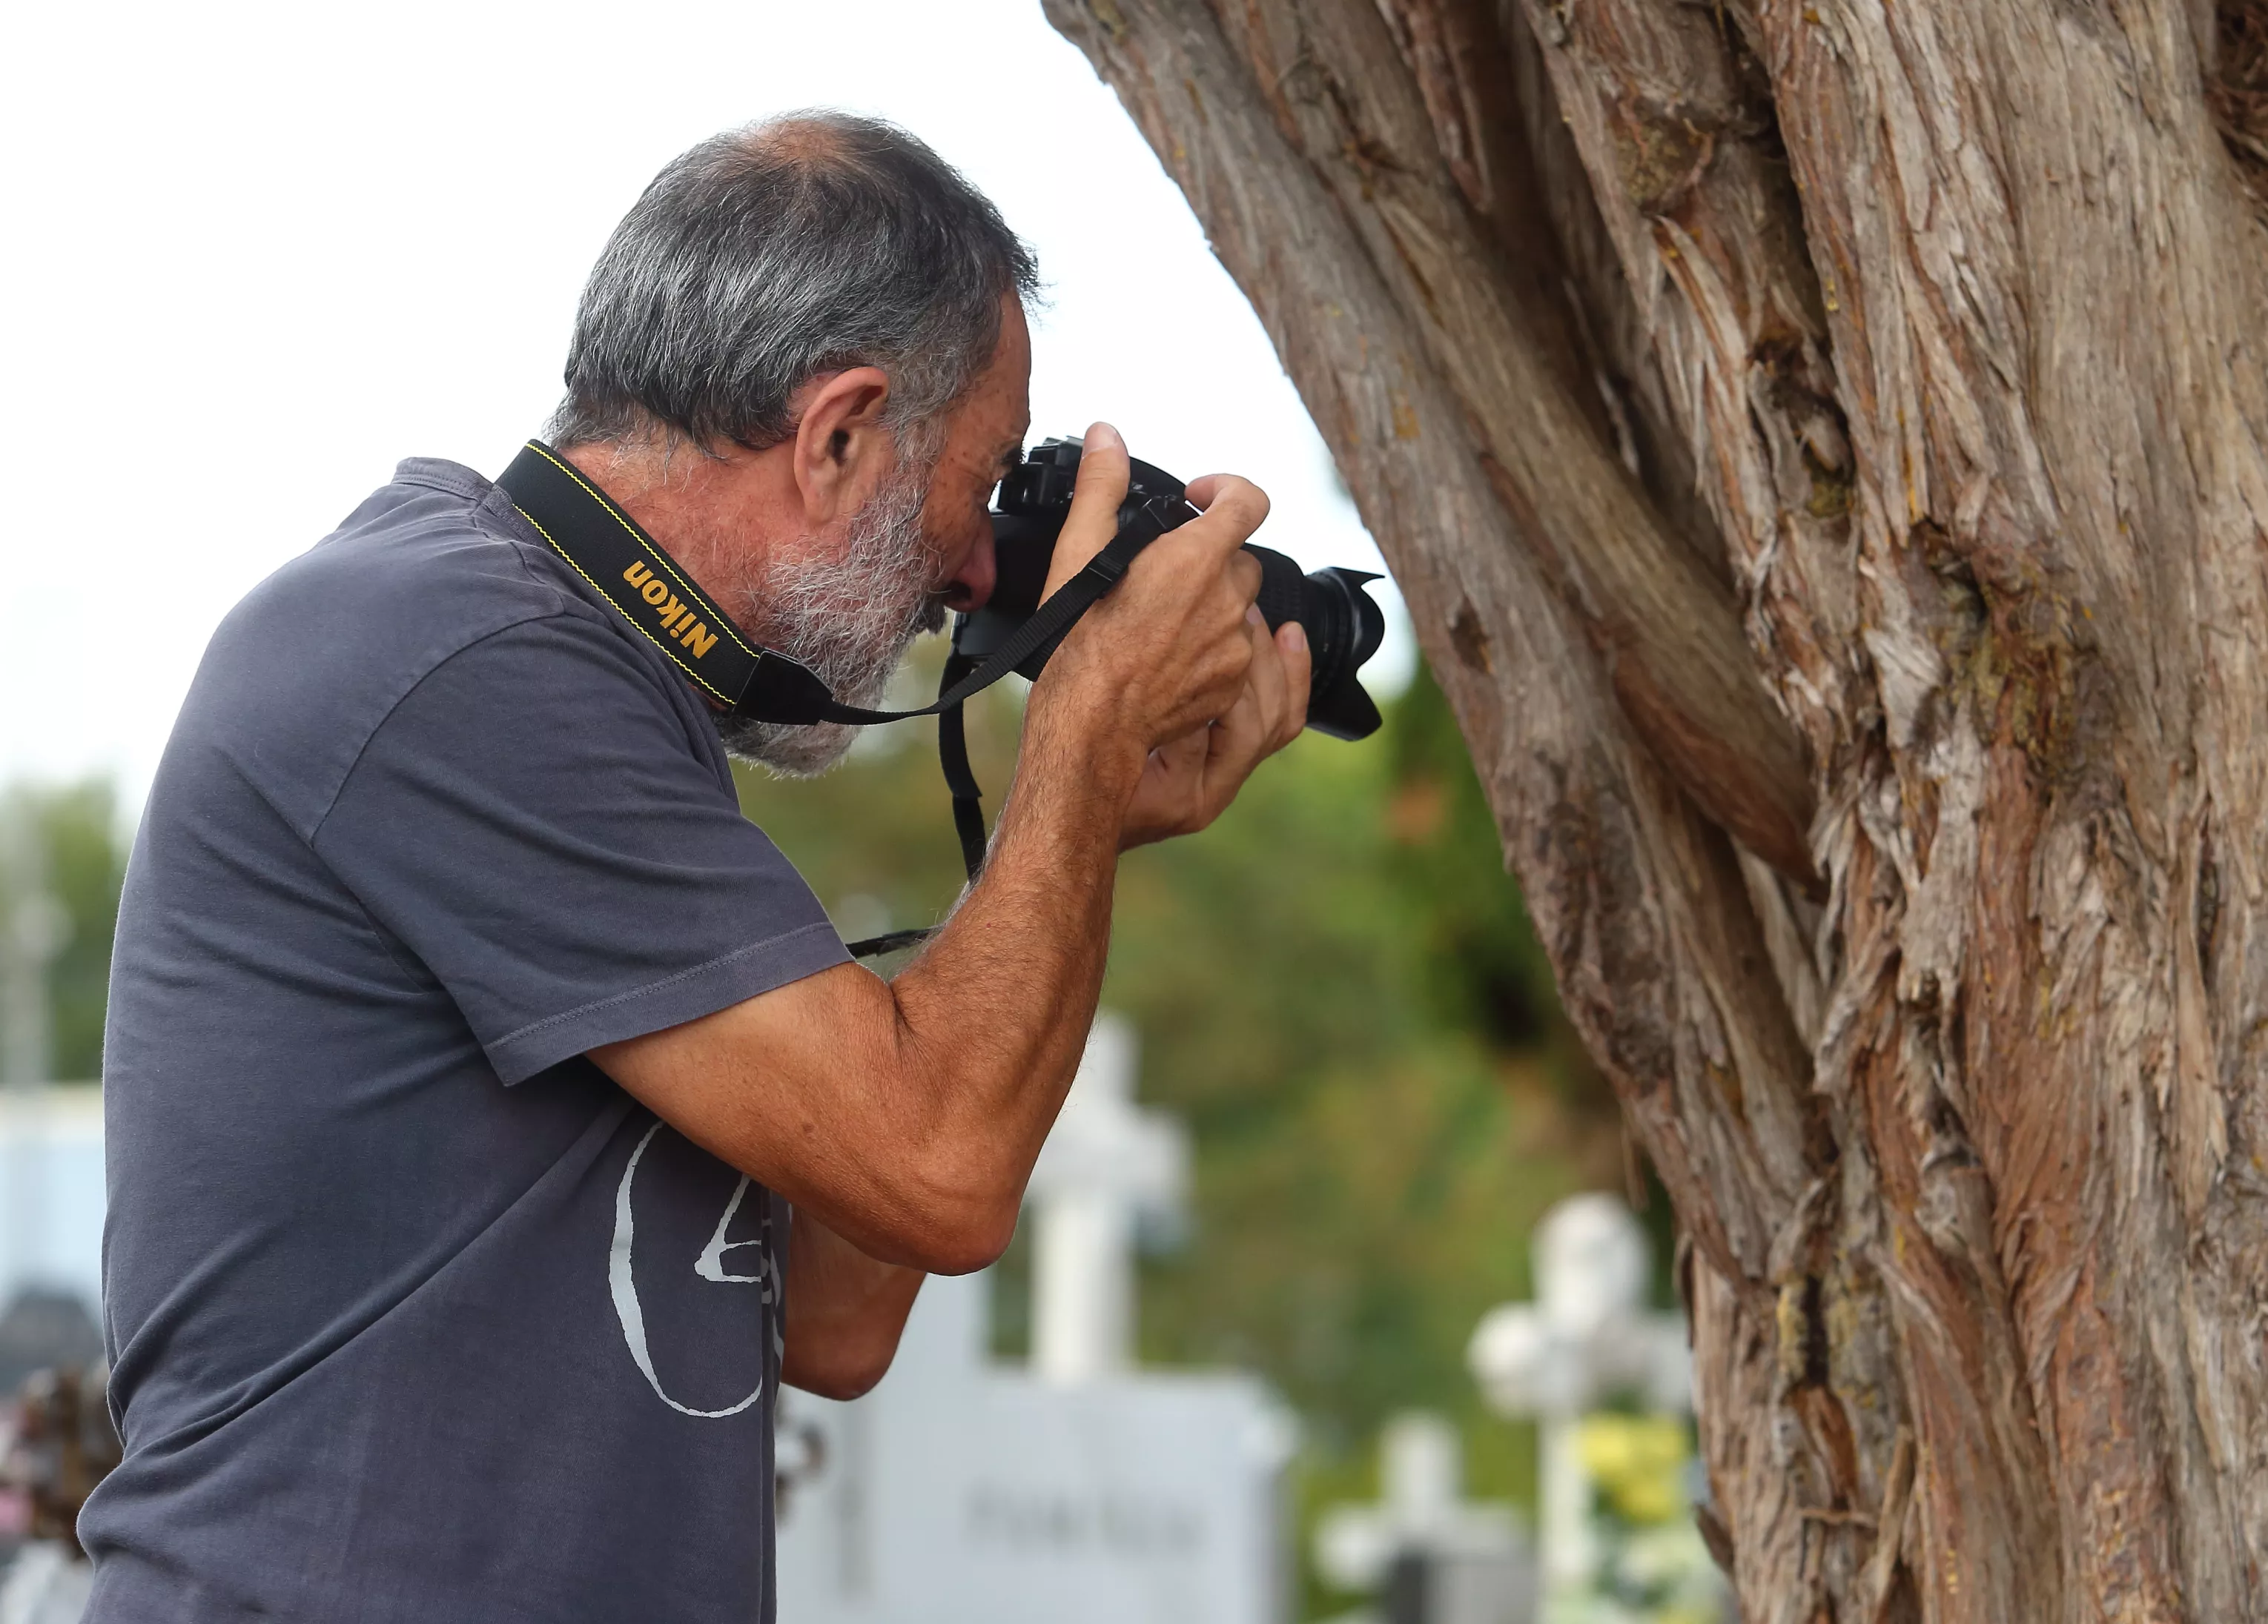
x: 1344, y: 626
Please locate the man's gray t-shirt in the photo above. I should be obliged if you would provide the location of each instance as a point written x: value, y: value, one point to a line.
x: 414, y: 1314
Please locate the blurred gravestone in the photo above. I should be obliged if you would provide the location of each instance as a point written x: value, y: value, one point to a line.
x: 1433, y: 1557
x: 1587, y: 1340
x: 964, y: 1491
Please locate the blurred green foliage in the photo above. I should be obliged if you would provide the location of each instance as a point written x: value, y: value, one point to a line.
x: 1337, y: 988
x: 84, y: 857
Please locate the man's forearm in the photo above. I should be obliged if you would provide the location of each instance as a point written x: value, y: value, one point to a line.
x: 906, y: 1116
x: 845, y: 1312
x: 995, y: 1013
x: 991, y: 1021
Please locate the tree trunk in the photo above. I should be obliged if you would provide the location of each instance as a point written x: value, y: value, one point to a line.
x: 1821, y: 444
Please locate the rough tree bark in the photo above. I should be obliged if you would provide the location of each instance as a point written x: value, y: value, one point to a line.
x: 1821, y: 446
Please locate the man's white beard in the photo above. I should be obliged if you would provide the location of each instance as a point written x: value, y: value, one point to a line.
x: 850, y: 619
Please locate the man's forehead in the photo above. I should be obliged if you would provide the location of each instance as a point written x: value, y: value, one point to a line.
x: 1013, y: 364
x: 990, y: 435
x: 1001, y: 426
x: 998, y: 415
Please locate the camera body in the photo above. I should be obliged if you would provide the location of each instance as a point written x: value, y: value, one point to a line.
x: 1344, y: 626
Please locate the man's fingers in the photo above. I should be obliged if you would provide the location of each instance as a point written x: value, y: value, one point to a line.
x: 1267, y: 715
x: 1244, y: 570
x: 1169, y: 800
x: 1103, y: 472
x: 1193, y: 776
x: 1299, y: 665
x: 1182, y: 755
x: 1202, y: 492
x: 1266, y: 678
x: 1233, y: 509
x: 1240, y: 741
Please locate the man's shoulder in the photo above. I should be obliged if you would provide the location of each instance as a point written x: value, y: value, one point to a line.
x: 431, y: 560
x: 311, y: 662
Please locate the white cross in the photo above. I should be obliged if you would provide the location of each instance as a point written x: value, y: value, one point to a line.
x: 1107, y: 1168
x: 1585, y: 1339
x: 1420, y: 1514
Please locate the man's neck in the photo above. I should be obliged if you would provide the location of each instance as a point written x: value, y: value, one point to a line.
x: 718, y: 515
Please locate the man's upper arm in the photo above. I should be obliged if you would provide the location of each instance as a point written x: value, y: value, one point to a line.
x: 539, y: 825
x: 806, y: 1089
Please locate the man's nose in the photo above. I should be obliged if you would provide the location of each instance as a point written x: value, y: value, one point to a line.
x: 972, y: 583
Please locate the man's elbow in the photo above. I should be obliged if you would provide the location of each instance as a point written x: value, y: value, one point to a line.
x: 966, y: 1253
x: 846, y: 1374
x: 962, y: 1218
x: 959, y: 1238
x: 930, y: 1204
x: 936, y: 1235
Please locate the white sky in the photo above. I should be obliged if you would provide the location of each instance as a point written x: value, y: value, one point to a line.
x: 257, y: 254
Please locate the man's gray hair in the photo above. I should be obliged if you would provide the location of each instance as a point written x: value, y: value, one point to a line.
x: 769, y: 256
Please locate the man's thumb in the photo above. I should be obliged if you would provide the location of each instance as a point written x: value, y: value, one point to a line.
x: 1093, y: 517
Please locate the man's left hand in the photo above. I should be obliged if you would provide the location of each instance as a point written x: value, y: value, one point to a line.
x: 1188, y: 782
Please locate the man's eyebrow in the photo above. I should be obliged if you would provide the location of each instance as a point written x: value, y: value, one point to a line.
x: 1011, y: 458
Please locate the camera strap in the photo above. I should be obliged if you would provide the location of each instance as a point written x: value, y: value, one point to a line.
x: 627, y: 568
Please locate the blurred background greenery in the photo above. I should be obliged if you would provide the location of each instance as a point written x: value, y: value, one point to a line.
x: 84, y: 850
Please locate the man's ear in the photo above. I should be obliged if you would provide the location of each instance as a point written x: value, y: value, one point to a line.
x: 842, y: 451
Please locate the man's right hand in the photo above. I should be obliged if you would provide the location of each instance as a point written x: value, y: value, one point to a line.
x: 1176, y: 666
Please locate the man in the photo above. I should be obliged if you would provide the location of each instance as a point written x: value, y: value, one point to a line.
x: 470, y: 1053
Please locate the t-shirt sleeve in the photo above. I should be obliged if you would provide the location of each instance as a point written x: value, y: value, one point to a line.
x: 537, y: 822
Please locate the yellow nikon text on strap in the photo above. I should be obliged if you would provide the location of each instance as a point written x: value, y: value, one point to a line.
x: 678, y: 620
